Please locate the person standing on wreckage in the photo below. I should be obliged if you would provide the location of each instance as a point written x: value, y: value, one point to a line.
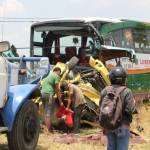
x: 76, y: 102
x: 50, y: 86
x: 117, y: 138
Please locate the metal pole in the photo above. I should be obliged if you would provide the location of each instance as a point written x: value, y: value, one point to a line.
x: 2, y: 25
x: 2, y: 30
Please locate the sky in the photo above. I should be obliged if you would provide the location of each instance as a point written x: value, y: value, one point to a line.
x: 18, y: 33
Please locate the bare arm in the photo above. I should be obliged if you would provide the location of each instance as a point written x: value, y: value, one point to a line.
x: 57, y: 91
x: 70, y: 96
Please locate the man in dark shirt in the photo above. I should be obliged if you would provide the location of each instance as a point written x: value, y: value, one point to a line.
x: 118, y: 139
x: 76, y: 101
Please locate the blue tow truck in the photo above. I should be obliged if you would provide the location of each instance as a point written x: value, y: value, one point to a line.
x: 19, y: 117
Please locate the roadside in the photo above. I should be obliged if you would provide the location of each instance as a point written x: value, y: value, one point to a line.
x: 90, y: 139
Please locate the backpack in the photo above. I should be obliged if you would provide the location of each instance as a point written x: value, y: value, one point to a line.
x: 111, y: 108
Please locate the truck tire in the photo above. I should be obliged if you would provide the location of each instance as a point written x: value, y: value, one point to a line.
x: 25, y: 131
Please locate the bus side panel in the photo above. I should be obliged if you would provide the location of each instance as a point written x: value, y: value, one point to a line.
x: 140, y: 85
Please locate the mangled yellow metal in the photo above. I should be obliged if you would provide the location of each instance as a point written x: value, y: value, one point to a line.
x: 101, y: 68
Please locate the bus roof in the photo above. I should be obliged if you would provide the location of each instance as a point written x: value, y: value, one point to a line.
x: 77, y: 20
x: 84, y: 20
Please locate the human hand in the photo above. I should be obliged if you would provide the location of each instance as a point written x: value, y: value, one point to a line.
x: 61, y: 104
x: 55, y: 96
x: 63, y: 117
x: 68, y: 109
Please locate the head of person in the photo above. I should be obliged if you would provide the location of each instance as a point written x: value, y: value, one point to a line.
x: 57, y: 70
x: 64, y: 86
x: 118, y: 75
x: 13, y: 48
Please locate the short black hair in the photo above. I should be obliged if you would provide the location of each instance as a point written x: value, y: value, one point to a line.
x: 57, y: 69
x: 63, y: 86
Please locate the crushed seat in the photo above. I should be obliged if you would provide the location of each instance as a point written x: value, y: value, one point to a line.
x: 83, y: 58
x: 70, y: 52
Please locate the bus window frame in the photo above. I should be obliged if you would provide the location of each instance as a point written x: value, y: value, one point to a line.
x: 121, y: 41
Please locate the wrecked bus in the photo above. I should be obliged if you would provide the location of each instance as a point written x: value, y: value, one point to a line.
x: 60, y: 39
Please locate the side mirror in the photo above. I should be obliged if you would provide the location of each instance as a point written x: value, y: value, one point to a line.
x: 4, y: 46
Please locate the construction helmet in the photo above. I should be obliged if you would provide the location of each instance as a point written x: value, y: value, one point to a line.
x: 118, y: 75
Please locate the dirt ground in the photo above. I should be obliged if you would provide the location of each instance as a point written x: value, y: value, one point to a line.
x: 58, y: 141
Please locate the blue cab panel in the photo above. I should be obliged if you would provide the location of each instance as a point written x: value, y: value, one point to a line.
x: 17, y: 96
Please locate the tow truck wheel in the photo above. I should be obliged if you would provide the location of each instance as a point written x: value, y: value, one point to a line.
x: 25, y: 132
